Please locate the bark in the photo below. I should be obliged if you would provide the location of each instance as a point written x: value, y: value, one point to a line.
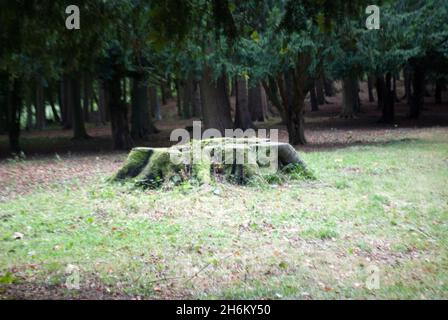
x: 67, y: 102
x: 179, y: 98
x: 29, y: 111
x: 154, y: 103
x: 103, y: 102
x: 87, y: 97
x: 197, y: 107
x: 438, y: 91
x: 389, y: 99
x: 187, y: 98
x: 190, y: 99
x: 350, y: 97
x: 13, y: 115
x: 257, y: 105
x: 242, y: 115
x: 394, y: 85
x: 272, y: 91
x: 141, y: 120
x: 163, y: 94
x: 40, y: 105
x: 328, y: 88
x: 313, y: 99
x: 121, y: 137
x: 370, y: 81
x: 320, y: 95
x: 380, y: 89
x: 293, y: 95
x: 418, y: 88
x: 50, y: 98
x: 79, y: 130
x: 215, y: 102
x: 407, y: 85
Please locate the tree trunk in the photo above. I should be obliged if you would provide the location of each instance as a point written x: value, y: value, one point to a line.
x: 293, y: 95
x: 418, y: 86
x: 328, y: 88
x: 67, y: 102
x: 79, y: 130
x: 187, y: 97
x: 349, y: 97
x: 215, y: 102
x: 141, y: 120
x: 103, y: 102
x: 257, y: 105
x: 29, y: 111
x: 197, y: 107
x: 50, y: 97
x: 163, y: 94
x: 394, y: 85
x: 319, y: 87
x: 87, y: 96
x: 389, y: 99
x: 13, y: 115
x: 40, y: 105
x: 118, y: 114
x: 242, y: 115
x: 407, y: 85
x: 313, y: 99
x: 370, y: 80
x: 178, y: 98
x: 439, y: 89
x: 154, y: 103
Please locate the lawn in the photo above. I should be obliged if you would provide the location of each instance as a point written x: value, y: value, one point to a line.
x: 381, y: 206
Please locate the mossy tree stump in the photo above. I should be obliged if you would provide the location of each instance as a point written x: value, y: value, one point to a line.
x: 204, y: 161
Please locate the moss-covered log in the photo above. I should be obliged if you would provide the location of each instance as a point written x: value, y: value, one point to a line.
x: 226, y: 159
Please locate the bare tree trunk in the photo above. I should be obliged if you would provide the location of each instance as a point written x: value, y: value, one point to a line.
x: 319, y: 87
x: 103, y: 102
x: 197, y: 107
x: 370, y: 80
x: 154, y: 103
x: 242, y: 115
x: 29, y: 111
x: 51, y: 101
x: 87, y: 96
x: 141, y: 120
x: 418, y: 86
x: 438, y: 91
x: 349, y: 97
x: 13, y: 115
x: 79, y: 130
x: 40, y: 105
x: 293, y: 93
x: 389, y: 100
x: 328, y: 88
x: 215, y: 102
x: 118, y: 114
x: 313, y: 99
x: 67, y: 102
x: 257, y: 105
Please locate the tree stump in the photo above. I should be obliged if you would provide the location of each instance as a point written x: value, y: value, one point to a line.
x: 239, y: 161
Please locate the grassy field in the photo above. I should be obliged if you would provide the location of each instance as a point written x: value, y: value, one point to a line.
x: 382, y: 207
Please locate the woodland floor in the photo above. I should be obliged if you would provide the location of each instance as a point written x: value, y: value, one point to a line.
x: 380, y: 200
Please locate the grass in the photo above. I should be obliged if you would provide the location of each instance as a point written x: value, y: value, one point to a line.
x: 382, y: 206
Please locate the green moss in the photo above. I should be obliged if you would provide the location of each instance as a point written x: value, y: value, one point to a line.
x: 136, y: 161
x: 159, y: 169
x: 201, y: 171
x: 233, y: 160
